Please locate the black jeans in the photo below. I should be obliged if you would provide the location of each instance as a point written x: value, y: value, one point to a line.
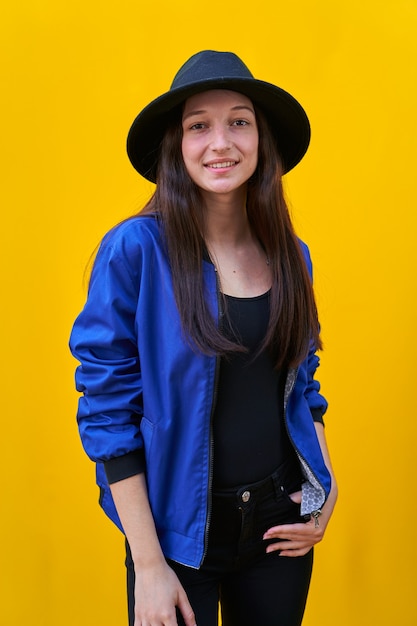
x: 254, y: 588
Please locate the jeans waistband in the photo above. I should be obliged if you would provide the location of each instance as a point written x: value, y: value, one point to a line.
x: 287, y: 473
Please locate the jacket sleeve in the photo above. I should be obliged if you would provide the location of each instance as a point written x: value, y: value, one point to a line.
x: 104, y: 340
x: 317, y: 403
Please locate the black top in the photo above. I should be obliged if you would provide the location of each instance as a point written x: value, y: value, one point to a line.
x: 250, y: 439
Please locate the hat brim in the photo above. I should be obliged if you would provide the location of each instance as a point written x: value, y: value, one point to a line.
x: 287, y: 119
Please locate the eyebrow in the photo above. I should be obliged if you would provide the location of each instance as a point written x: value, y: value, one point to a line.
x: 238, y: 107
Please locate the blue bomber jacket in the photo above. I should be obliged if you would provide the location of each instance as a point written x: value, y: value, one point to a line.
x: 147, y: 396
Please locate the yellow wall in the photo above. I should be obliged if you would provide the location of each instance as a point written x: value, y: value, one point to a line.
x: 74, y: 75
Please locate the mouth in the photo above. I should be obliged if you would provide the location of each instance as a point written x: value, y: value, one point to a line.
x: 218, y: 165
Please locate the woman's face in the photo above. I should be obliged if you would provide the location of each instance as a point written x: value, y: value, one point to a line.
x: 220, y: 140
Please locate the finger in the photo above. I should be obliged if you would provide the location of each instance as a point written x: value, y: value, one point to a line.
x: 286, y: 530
x: 298, y: 552
x: 287, y: 545
x: 282, y: 542
x: 311, y: 537
x: 186, y: 609
x: 299, y: 543
x: 296, y: 496
x: 290, y: 547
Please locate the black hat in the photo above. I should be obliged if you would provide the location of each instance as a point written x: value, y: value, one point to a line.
x: 218, y: 70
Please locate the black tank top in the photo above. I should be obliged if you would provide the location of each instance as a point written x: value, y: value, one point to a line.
x: 250, y: 439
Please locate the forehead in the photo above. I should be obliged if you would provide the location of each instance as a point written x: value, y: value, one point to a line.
x: 216, y: 98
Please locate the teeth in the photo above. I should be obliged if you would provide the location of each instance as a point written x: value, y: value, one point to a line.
x: 220, y: 165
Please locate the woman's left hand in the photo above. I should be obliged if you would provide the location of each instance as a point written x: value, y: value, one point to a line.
x: 298, y: 539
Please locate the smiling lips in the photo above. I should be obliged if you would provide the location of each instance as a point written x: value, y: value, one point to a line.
x: 218, y: 166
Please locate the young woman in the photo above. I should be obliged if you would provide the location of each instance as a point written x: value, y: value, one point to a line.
x: 197, y: 348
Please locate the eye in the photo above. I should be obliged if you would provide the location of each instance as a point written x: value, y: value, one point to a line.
x: 198, y: 126
x: 240, y: 123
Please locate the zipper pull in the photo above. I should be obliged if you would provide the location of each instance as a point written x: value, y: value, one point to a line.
x: 316, y: 515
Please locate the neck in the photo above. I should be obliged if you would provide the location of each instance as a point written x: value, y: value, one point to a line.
x: 226, y: 222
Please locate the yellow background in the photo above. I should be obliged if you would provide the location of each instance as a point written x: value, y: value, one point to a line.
x: 74, y: 76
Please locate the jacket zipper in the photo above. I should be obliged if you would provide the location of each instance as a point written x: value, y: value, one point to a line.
x: 287, y: 393
x: 211, y: 442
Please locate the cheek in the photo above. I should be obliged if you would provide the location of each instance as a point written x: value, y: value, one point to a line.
x: 256, y: 146
x: 189, y: 150
x: 251, y: 147
x: 188, y: 158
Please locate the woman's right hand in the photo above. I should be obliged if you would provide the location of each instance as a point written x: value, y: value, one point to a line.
x: 157, y: 589
x: 157, y: 594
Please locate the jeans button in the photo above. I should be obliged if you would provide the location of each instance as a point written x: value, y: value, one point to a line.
x: 246, y: 496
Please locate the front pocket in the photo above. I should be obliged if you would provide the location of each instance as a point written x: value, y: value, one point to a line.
x: 146, y: 428
x: 286, y: 495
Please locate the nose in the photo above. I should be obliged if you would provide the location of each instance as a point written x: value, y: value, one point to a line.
x: 220, y: 140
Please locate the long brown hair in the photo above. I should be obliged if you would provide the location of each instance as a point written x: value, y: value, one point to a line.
x: 293, y: 323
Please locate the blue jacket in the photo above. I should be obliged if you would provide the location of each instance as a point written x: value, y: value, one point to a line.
x: 147, y: 393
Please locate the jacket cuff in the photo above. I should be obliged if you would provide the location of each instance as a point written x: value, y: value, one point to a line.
x: 317, y: 415
x: 125, y: 466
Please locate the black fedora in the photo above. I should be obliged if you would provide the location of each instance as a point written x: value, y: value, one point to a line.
x: 218, y: 70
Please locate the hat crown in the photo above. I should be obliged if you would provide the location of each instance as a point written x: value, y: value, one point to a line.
x: 210, y: 65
